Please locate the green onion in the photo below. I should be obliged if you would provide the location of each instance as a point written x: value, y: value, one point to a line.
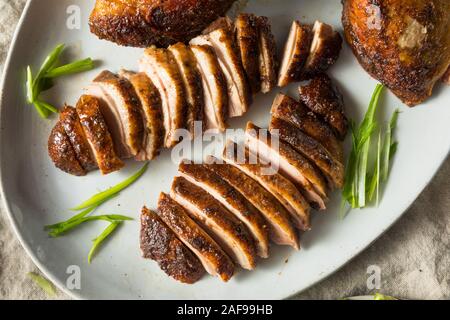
x: 97, y: 198
x: 98, y: 241
x: 360, y: 186
x: 379, y: 296
x: 48, y: 64
x: 71, y: 68
x: 43, y: 283
x: 44, y: 78
x: 64, y: 228
x: 389, y: 145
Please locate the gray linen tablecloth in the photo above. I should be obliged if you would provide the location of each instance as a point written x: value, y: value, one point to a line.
x: 414, y: 255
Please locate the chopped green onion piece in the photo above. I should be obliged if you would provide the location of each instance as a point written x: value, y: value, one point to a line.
x: 374, y: 186
x: 43, y: 283
x: 388, y: 144
x: 48, y: 64
x: 64, y: 228
x: 30, y: 94
x: 94, y: 200
x: 98, y: 241
x: 80, y: 215
x: 379, y: 296
x: 43, y: 113
x: 46, y: 106
x: 71, y: 68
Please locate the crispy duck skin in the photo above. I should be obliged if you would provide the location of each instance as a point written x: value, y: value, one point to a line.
x: 158, y: 242
x: 160, y: 66
x: 121, y: 109
x: 62, y: 153
x: 247, y: 37
x: 150, y: 99
x: 310, y: 148
x: 325, y: 49
x: 231, y: 199
x: 279, y: 186
x: 192, y: 80
x: 291, y: 164
x: 298, y: 115
x: 213, y: 258
x: 214, y: 86
x: 223, y: 226
x: 97, y: 134
x: 323, y: 98
x: 223, y: 41
x: 402, y: 43
x: 69, y: 119
x: 268, y: 59
x: 281, y: 230
x: 296, y: 53
x: 143, y: 23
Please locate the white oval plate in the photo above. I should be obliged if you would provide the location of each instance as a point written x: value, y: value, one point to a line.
x: 37, y: 194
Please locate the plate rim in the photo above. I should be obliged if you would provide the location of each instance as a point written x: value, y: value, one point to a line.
x: 49, y: 275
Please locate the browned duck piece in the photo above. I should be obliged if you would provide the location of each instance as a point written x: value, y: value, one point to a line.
x: 333, y: 170
x: 97, y: 134
x: 268, y: 59
x: 161, y: 67
x: 69, y: 119
x: 296, y: 53
x: 295, y: 113
x: 223, y: 226
x: 121, y: 109
x: 214, y: 86
x: 62, y: 153
x: 281, y: 230
x: 158, y: 242
x: 247, y: 37
x: 323, y: 98
x: 213, y: 258
x: 402, y: 43
x: 279, y: 186
x: 231, y: 199
x: 143, y: 23
x: 151, y: 104
x: 192, y: 79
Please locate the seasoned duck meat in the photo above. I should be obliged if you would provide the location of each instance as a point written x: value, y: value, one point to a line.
x: 143, y: 23
x: 281, y: 230
x: 311, y: 149
x: 295, y: 113
x: 403, y: 44
x: 239, y: 92
x: 192, y: 80
x: 97, y: 134
x: 268, y: 60
x: 247, y: 36
x: 222, y: 225
x: 222, y: 22
x: 213, y: 258
x: 293, y: 165
x: 150, y: 99
x: 69, y: 119
x: 214, y: 86
x: 324, y: 99
x: 160, y: 66
x: 122, y: 112
x: 62, y: 153
x: 279, y: 186
x: 446, y: 77
x: 231, y: 199
x: 325, y: 49
x: 158, y: 242
x: 296, y: 53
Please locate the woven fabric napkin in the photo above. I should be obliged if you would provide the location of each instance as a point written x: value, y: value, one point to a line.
x: 413, y: 256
